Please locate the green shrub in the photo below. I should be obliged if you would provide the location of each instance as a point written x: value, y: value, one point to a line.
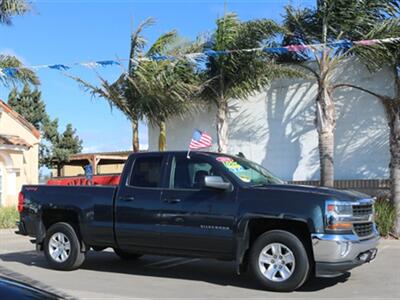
x: 385, y: 216
x: 8, y: 217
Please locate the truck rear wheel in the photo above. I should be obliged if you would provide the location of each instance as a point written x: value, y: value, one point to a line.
x: 62, y: 247
x: 126, y: 255
x: 279, y: 261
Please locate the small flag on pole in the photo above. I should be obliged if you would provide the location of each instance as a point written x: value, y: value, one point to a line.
x: 200, y: 139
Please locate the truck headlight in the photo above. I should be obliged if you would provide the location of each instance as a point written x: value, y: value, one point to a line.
x: 338, y: 216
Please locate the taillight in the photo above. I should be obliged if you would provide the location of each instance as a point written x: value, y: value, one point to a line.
x: 21, y: 200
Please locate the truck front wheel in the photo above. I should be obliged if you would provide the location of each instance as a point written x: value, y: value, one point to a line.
x: 62, y: 247
x: 279, y: 261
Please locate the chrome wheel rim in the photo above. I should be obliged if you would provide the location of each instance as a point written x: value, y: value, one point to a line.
x: 276, y: 262
x: 59, y: 247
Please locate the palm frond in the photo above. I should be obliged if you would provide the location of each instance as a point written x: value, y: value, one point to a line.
x: 159, y: 46
x: 10, y: 8
x: 154, y: 90
x: 138, y: 42
x: 20, y: 73
x: 345, y: 19
x: 108, y: 92
x: 300, y: 26
x: 240, y: 74
x: 377, y: 55
x: 227, y: 31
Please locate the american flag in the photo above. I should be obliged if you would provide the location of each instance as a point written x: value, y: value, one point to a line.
x: 200, y: 139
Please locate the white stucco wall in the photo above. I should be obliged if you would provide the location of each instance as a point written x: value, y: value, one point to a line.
x: 19, y: 165
x: 276, y: 128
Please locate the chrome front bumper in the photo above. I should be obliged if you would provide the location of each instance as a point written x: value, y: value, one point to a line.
x: 335, y: 254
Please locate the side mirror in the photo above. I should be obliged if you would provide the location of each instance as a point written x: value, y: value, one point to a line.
x: 216, y: 182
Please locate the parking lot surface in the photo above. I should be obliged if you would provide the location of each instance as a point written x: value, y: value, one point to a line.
x: 105, y: 276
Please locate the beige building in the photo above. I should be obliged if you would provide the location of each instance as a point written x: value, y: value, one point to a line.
x: 19, y: 154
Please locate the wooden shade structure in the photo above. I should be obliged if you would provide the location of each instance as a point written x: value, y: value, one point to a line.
x: 94, y: 159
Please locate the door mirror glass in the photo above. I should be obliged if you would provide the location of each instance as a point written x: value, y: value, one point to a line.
x: 216, y: 182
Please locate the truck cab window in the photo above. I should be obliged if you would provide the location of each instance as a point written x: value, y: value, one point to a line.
x: 189, y: 173
x: 146, y: 172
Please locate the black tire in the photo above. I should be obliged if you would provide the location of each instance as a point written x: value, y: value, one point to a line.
x: 75, y: 256
x: 126, y: 255
x: 300, y: 269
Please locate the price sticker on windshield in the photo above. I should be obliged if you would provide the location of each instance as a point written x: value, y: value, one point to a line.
x: 230, y: 164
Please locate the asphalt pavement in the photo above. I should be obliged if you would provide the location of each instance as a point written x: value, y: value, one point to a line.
x: 105, y: 276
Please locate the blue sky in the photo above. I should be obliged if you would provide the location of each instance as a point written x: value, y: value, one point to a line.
x: 67, y: 31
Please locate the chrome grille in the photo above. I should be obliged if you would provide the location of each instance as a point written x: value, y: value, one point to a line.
x: 362, y: 210
x: 363, y: 229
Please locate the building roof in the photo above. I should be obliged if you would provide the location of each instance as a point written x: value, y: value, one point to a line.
x: 121, y: 153
x: 13, y: 140
x: 16, y: 116
x: 101, y: 158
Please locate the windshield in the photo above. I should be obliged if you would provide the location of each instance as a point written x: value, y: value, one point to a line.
x: 248, y: 172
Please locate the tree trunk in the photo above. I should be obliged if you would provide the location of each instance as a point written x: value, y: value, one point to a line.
x: 135, y: 135
x: 222, y: 126
x: 326, y: 145
x: 395, y: 166
x: 394, y: 123
x: 162, y: 139
x: 326, y: 121
x: 326, y: 114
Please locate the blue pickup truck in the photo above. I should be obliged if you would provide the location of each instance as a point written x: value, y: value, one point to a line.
x: 208, y: 205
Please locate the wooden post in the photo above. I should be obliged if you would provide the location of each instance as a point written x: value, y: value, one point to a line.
x: 94, y: 165
x: 95, y: 161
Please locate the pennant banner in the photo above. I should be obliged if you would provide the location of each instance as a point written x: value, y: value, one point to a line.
x: 207, y: 53
x: 59, y: 67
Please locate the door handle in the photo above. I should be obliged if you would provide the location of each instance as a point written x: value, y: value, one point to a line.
x: 127, y: 199
x: 179, y: 220
x: 172, y: 200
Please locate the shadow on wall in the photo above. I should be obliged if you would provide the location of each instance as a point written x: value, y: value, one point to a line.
x: 277, y: 128
x: 270, y: 127
x: 362, y: 133
x: 289, y: 151
x: 247, y: 127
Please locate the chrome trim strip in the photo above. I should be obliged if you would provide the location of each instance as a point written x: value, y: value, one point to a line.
x: 341, y: 247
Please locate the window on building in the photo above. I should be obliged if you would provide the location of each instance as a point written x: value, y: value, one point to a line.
x: 146, y: 172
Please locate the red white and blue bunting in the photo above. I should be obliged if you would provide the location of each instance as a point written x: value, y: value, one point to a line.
x: 342, y: 44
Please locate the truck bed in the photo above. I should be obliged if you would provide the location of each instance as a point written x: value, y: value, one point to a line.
x: 92, y: 204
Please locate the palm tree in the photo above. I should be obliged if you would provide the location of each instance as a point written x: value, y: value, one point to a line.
x: 329, y: 21
x: 117, y: 94
x: 238, y: 74
x: 387, y: 55
x: 9, y: 9
x: 152, y: 89
x: 166, y: 90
